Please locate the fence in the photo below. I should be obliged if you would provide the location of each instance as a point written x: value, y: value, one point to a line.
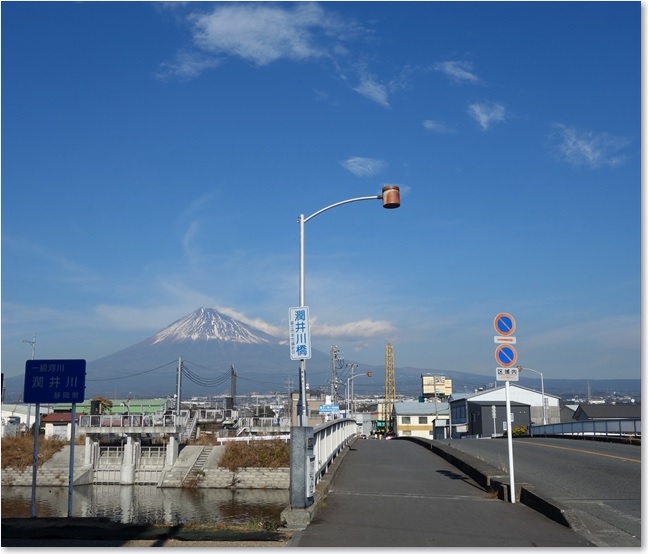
x: 600, y: 427
x: 330, y: 439
x: 146, y: 420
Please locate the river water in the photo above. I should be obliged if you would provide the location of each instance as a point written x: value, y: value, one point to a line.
x: 148, y: 504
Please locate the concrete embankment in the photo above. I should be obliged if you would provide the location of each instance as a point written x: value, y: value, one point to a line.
x: 196, y: 467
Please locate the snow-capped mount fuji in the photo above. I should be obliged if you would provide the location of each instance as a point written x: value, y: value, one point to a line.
x: 209, y: 324
x: 209, y: 343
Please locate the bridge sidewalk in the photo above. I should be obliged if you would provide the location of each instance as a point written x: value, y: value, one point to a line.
x: 397, y: 493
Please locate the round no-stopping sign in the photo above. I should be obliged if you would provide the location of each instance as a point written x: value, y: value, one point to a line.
x: 504, y: 324
x: 505, y: 355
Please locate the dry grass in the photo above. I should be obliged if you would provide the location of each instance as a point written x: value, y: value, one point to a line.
x: 18, y: 452
x: 266, y: 454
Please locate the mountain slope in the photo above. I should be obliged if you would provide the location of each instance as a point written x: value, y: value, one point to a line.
x: 209, y: 343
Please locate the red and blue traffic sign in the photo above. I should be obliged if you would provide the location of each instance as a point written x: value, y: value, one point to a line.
x: 504, y: 324
x: 506, y: 355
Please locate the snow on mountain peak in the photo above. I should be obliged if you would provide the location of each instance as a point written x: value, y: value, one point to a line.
x: 209, y: 324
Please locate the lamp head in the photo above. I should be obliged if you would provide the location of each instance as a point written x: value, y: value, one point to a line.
x: 391, y: 197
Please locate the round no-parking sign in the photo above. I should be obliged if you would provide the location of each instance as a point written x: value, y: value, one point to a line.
x: 504, y: 324
x: 505, y: 355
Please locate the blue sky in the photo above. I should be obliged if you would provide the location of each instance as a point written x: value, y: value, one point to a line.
x: 156, y: 157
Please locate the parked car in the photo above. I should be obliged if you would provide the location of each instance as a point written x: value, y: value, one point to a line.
x: 390, y: 435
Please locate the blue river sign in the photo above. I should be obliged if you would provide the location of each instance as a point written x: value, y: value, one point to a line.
x: 54, y: 381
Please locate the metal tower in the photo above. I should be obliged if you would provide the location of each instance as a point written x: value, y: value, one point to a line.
x: 390, y: 388
x: 233, y: 385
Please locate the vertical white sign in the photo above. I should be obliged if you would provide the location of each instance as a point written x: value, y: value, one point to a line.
x: 299, y: 323
x: 310, y: 477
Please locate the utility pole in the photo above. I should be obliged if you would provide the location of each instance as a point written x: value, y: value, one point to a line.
x: 336, y: 360
x: 32, y: 343
x: 178, y: 387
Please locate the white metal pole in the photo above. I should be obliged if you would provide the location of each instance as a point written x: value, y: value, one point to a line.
x: 35, y: 461
x: 71, y: 461
x: 303, y: 417
x: 544, y: 403
x: 510, y: 443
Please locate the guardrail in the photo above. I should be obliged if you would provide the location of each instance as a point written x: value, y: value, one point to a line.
x: 329, y: 440
x: 146, y: 420
x: 600, y: 427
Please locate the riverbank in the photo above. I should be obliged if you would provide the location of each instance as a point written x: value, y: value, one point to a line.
x: 102, y: 532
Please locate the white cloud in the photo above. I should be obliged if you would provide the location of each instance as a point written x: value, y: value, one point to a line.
x: 587, y: 148
x: 363, y: 167
x: 264, y: 33
x: 457, y: 71
x: 436, y: 126
x: 352, y: 330
x: 186, y: 65
x: 486, y: 113
x: 260, y: 324
x: 370, y: 88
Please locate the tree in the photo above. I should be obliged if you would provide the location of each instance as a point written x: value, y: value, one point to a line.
x: 105, y: 405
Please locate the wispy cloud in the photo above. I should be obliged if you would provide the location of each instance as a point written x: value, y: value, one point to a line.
x: 259, y: 323
x: 457, y: 71
x: 584, y: 148
x: 369, y: 87
x: 486, y: 113
x: 363, y: 167
x: 186, y: 65
x: 437, y: 126
x: 259, y: 33
x: 352, y: 330
x: 263, y: 33
x: 59, y: 266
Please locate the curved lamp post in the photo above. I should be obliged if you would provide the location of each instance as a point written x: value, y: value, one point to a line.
x: 349, y: 383
x: 390, y: 199
x: 544, y: 406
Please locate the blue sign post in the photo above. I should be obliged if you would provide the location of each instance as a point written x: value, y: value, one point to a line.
x: 50, y: 382
x: 506, y: 356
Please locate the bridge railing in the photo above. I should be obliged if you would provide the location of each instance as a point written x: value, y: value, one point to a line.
x: 329, y: 440
x: 133, y: 420
x: 600, y: 427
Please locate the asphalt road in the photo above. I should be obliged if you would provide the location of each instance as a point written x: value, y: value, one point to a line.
x: 597, y: 483
x: 399, y: 494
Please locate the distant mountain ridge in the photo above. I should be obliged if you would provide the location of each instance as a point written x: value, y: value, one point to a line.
x: 210, y: 344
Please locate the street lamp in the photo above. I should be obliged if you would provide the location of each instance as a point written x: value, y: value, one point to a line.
x: 301, y: 437
x: 391, y: 199
x: 349, y: 382
x: 544, y: 406
x: 32, y: 343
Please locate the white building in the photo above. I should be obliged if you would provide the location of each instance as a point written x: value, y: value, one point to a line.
x: 460, y: 410
x: 19, y: 417
x: 428, y: 420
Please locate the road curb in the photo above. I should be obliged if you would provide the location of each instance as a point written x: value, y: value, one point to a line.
x: 493, y: 479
